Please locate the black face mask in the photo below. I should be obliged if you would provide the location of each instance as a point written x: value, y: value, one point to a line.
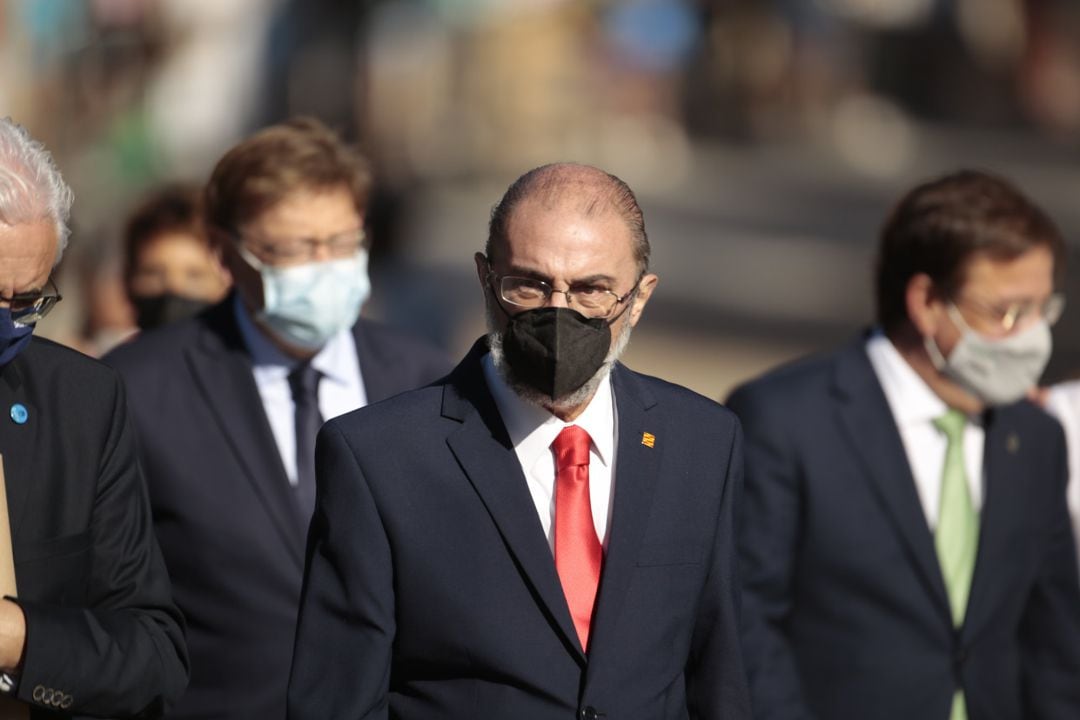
x: 157, y: 310
x: 555, y: 350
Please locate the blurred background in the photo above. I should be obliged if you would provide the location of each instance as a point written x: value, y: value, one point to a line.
x: 766, y: 139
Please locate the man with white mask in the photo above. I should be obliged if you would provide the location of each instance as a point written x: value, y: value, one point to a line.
x: 905, y: 543
x: 227, y: 404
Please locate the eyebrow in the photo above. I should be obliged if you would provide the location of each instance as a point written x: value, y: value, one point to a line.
x: 1012, y: 299
x: 587, y: 280
x: 24, y: 294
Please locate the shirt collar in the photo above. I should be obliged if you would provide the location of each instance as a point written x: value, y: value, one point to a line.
x: 331, y: 360
x: 911, y: 399
x: 532, y: 429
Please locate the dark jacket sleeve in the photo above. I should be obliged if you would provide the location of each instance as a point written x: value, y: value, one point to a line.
x: 1050, y: 627
x: 768, y: 551
x: 121, y: 653
x: 715, y: 678
x: 347, y: 603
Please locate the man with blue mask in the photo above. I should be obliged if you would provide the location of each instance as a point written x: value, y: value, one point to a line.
x: 87, y: 623
x: 227, y: 404
x: 906, y: 547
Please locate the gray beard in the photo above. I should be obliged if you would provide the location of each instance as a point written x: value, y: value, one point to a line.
x: 566, y: 402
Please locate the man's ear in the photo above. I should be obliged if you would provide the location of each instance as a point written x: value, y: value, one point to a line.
x: 482, y: 268
x: 925, y: 306
x: 223, y: 248
x: 645, y: 291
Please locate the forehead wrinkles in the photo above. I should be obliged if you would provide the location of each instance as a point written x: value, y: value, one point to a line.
x: 573, y: 190
x: 577, y: 200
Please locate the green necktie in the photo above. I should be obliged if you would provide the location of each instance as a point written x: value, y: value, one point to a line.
x: 957, y: 534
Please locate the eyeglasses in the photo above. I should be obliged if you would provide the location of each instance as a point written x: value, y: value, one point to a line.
x: 300, y: 250
x: 1013, y: 315
x: 591, y: 300
x: 28, y: 308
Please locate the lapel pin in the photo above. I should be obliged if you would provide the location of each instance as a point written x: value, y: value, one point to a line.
x: 648, y: 440
x: 1012, y: 443
x: 19, y: 413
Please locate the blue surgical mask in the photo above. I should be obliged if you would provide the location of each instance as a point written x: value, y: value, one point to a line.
x: 305, y: 305
x: 14, y: 336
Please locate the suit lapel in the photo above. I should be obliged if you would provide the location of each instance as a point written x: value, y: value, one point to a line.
x: 19, y: 451
x: 222, y: 369
x: 637, y: 473
x: 483, y: 449
x: 376, y: 373
x: 1003, y: 507
x: 875, y: 441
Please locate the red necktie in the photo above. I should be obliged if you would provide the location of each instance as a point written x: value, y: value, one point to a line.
x: 578, y: 554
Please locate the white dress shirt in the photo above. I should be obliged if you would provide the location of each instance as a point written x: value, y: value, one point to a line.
x: 532, y: 430
x: 914, y: 407
x: 1063, y: 401
x: 341, y: 388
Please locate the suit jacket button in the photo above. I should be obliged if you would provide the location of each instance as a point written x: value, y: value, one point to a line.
x: 589, y: 713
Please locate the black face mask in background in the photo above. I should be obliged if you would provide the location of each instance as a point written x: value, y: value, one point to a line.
x: 157, y: 310
x: 555, y: 351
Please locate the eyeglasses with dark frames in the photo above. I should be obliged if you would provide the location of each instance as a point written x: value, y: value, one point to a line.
x: 28, y: 308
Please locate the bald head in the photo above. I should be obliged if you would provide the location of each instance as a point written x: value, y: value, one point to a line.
x: 586, y: 190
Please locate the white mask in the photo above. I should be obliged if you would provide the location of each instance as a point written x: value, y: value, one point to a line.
x: 999, y: 371
x: 305, y: 305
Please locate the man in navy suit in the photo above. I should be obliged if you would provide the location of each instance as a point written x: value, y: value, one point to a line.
x: 905, y: 542
x: 227, y: 404
x: 88, y: 626
x: 544, y: 533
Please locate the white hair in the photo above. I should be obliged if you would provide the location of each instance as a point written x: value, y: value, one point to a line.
x: 31, y: 187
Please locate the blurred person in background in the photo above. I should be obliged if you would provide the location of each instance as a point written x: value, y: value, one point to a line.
x: 544, y: 533
x: 171, y: 270
x: 87, y: 624
x: 227, y: 404
x: 905, y: 544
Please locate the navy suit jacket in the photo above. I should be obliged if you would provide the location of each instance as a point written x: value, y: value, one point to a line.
x: 431, y: 590
x: 103, y: 637
x: 846, y: 613
x: 223, y: 508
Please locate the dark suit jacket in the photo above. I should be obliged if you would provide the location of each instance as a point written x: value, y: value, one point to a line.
x: 223, y: 507
x: 431, y: 591
x: 103, y: 635
x: 846, y: 614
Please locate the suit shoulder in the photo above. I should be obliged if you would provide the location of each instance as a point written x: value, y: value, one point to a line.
x: 808, y: 375
x: 148, y: 352
x: 401, y: 413
x: 390, y: 342
x: 692, y: 404
x: 49, y: 352
x: 64, y: 370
